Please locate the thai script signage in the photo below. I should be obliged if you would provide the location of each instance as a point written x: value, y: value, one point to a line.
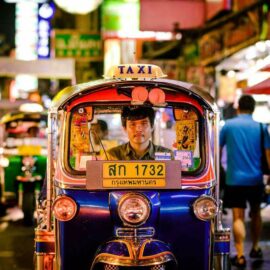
x: 77, y: 45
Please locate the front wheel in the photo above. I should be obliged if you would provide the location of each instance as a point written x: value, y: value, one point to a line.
x: 28, y: 207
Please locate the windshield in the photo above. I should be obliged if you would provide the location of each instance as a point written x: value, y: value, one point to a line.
x: 25, y: 132
x: 121, y: 132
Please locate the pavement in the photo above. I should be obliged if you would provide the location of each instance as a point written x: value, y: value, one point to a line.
x: 253, y: 264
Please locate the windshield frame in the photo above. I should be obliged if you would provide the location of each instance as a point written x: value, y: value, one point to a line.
x: 201, y: 134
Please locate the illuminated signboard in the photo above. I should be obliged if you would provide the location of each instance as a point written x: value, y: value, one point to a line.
x: 77, y: 45
x: 45, y: 14
x: 120, y: 16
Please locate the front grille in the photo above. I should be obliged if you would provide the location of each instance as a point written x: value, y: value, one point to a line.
x: 135, y: 232
x: 110, y: 267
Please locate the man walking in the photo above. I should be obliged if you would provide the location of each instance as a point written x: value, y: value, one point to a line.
x: 244, y: 178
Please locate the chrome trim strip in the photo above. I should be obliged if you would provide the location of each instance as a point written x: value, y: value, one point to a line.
x: 52, y: 127
x: 135, y: 232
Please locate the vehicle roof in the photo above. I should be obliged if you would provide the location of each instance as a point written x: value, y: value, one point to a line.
x: 23, y: 116
x: 192, y: 90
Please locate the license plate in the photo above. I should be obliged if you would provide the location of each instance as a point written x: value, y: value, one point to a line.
x: 101, y: 174
x: 129, y: 174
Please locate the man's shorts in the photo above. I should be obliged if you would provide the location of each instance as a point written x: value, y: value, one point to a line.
x: 238, y: 196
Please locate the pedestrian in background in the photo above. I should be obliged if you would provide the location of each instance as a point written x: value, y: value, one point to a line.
x: 244, y: 177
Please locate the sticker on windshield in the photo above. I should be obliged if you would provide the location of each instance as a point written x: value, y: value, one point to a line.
x: 185, y: 135
x: 186, y: 158
x: 162, y: 156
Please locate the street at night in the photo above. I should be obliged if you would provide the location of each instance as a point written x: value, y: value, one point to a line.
x: 123, y: 123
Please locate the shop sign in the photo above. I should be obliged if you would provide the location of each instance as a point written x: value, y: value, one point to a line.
x: 77, y: 45
x: 116, y: 16
x: 229, y: 38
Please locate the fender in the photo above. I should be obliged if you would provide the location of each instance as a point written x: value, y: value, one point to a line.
x: 125, y: 252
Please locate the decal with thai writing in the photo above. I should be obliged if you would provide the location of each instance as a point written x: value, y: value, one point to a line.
x: 186, y: 158
x: 185, y: 135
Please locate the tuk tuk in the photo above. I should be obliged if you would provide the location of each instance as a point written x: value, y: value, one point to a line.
x: 23, y: 158
x: 160, y: 212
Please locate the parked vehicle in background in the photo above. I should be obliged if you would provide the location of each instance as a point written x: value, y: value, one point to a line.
x: 23, y: 159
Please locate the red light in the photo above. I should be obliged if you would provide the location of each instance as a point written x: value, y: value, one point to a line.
x: 139, y: 94
x: 157, y: 96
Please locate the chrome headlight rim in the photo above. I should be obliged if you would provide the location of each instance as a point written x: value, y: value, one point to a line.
x: 59, y: 198
x: 198, y: 200
x: 140, y: 196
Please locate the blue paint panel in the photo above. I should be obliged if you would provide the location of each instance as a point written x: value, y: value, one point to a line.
x: 115, y: 248
x: 155, y: 247
x: 44, y: 247
x: 171, y: 216
x: 81, y: 236
x: 222, y: 247
x: 189, y: 237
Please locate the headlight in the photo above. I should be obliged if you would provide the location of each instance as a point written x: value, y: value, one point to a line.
x: 64, y: 208
x: 4, y: 162
x: 134, y: 209
x: 205, y: 207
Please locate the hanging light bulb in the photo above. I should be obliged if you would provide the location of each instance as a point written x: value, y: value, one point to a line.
x: 78, y: 6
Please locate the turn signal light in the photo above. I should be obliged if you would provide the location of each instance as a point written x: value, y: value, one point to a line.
x: 64, y: 208
x: 205, y: 208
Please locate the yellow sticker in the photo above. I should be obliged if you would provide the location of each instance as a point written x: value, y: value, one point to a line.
x: 186, y: 135
x: 29, y: 150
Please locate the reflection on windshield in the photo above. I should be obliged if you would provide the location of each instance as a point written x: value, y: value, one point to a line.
x: 135, y: 133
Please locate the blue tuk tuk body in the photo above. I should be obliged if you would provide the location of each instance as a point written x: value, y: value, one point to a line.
x: 81, y: 225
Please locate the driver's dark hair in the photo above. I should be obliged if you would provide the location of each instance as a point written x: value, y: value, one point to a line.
x: 103, y: 125
x: 246, y: 103
x: 137, y: 113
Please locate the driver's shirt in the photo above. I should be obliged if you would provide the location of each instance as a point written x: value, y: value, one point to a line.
x: 125, y: 152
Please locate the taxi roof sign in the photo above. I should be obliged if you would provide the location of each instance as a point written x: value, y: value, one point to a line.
x: 134, y: 71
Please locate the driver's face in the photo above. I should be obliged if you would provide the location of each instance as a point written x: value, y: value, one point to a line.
x: 139, y: 131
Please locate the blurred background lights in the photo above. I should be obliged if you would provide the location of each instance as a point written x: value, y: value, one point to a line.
x: 31, y: 107
x: 46, y: 11
x: 16, y: 1
x: 231, y: 73
x: 78, y: 6
x: 261, y: 46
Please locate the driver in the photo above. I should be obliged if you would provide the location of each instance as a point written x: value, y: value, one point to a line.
x: 138, y: 124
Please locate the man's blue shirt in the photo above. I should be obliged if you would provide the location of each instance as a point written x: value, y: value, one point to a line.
x: 242, y: 137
